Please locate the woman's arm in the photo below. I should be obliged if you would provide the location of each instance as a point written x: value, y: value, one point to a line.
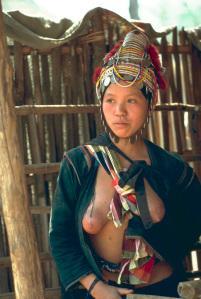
x: 186, y: 209
x: 66, y: 251
x: 102, y: 290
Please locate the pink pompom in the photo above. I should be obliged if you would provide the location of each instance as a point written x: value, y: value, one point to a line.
x: 154, y: 55
x: 162, y: 83
x: 96, y: 74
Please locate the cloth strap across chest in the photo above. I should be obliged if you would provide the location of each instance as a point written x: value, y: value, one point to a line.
x: 129, y: 197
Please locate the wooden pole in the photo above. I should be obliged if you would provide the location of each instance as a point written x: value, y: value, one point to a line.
x: 21, y: 237
x: 136, y: 296
x: 190, y: 289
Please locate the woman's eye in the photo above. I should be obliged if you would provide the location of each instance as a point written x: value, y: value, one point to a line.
x: 132, y: 101
x: 109, y: 100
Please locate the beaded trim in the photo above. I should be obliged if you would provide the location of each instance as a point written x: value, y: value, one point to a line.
x: 130, y: 64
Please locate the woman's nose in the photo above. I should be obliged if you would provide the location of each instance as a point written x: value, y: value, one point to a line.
x: 120, y: 109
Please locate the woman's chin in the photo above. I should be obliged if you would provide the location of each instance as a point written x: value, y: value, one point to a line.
x: 123, y: 135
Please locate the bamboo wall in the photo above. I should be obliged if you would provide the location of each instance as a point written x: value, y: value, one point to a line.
x: 57, y: 110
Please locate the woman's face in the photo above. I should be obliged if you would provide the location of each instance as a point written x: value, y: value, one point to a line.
x: 125, y: 109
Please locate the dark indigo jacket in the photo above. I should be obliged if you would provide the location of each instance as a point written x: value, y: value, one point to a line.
x: 173, y: 237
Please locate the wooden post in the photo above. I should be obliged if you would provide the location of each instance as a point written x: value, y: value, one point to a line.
x: 22, y: 242
x: 136, y: 296
x: 190, y: 289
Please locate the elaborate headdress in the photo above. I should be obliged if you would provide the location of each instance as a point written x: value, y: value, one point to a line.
x: 134, y: 59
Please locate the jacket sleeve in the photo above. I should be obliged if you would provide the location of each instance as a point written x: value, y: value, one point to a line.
x: 186, y: 209
x: 65, y: 248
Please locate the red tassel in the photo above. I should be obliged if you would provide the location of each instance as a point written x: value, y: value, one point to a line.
x: 154, y: 55
x: 161, y: 81
x: 153, y: 52
x: 96, y: 74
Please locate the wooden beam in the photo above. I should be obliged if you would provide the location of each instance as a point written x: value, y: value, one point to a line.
x: 49, y: 294
x: 5, y: 262
x: 136, y: 296
x: 42, y: 168
x: 66, y: 49
x: 190, y: 289
x: 55, y: 294
x: 47, y: 168
x: 26, y: 266
x: 62, y: 109
x: 55, y: 109
x: 178, y: 107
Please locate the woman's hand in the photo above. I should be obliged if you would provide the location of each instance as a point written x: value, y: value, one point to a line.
x: 105, y: 291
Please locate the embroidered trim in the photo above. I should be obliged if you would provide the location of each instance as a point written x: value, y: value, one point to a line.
x: 75, y: 171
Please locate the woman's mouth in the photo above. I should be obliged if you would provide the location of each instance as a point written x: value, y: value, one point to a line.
x: 120, y: 124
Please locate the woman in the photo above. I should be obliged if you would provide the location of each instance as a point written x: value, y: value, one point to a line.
x: 120, y: 215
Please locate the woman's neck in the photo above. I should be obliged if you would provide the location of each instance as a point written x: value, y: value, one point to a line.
x: 130, y: 148
x: 135, y: 151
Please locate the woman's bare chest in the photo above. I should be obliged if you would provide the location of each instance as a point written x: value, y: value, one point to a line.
x: 96, y: 218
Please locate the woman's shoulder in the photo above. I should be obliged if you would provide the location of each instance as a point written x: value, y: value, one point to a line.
x: 159, y: 152
x: 78, y: 161
x: 75, y: 153
x: 170, y: 164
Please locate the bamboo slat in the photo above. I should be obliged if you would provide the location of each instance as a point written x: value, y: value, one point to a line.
x: 18, y: 90
x: 99, y: 51
x: 172, y: 89
x: 164, y: 96
x: 49, y: 121
x: 39, y: 188
x: 74, y: 86
x: 37, y: 193
x: 50, y: 144
x: 195, y: 121
x: 56, y: 99
x: 87, y: 58
x: 4, y: 285
x: 83, y: 118
x: 186, y: 86
x: 175, y: 53
x: 196, y: 75
x: 34, y: 154
x: 38, y: 97
x: 178, y: 119
x: 67, y: 81
x: 19, y: 74
x: 188, y: 96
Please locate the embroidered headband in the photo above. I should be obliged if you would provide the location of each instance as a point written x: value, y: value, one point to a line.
x: 133, y: 60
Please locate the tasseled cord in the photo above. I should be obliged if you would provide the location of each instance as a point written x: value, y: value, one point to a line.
x: 154, y: 55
